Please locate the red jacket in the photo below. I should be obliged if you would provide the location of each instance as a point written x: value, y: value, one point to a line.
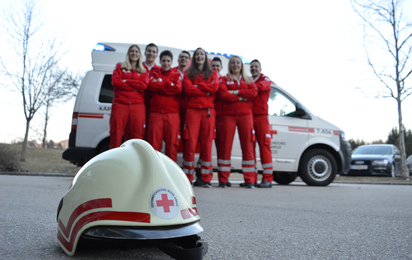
x: 183, y: 97
x: 260, y: 104
x: 154, y: 69
x: 131, y: 91
x: 203, y: 94
x: 148, y: 95
x: 165, y: 93
x: 231, y: 106
x: 218, y: 103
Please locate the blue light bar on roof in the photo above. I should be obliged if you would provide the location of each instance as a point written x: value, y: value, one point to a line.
x: 102, y: 47
x: 244, y: 60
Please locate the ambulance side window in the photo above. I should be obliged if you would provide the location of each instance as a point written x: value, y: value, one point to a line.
x: 280, y: 105
x: 106, y: 91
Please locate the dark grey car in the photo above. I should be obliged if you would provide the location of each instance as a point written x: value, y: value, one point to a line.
x: 377, y: 159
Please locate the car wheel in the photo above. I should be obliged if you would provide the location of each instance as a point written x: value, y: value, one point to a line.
x: 318, y: 168
x: 393, y: 170
x: 284, y: 178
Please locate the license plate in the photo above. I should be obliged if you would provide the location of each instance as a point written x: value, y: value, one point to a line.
x: 359, y: 167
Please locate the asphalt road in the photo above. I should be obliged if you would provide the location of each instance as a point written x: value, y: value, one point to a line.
x: 340, y: 221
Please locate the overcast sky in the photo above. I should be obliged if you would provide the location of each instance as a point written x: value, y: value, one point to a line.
x: 310, y: 48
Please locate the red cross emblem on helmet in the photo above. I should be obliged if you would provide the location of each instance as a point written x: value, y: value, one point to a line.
x: 164, y: 203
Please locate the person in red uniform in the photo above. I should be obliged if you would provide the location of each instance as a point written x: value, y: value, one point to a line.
x: 261, y: 123
x: 200, y: 84
x: 151, y: 53
x: 183, y: 62
x: 150, y: 66
x: 164, y: 120
x: 129, y: 81
x: 216, y: 64
x: 237, y: 91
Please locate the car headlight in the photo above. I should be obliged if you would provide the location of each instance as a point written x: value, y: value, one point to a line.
x: 380, y: 162
x: 342, y: 135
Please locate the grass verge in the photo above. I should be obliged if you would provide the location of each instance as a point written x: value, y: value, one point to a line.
x: 46, y: 161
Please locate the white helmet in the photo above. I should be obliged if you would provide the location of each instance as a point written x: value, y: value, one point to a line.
x: 131, y: 192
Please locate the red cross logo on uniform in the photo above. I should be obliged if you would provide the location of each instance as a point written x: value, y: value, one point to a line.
x: 165, y: 203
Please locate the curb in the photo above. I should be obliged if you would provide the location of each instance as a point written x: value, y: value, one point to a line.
x: 405, y: 182
x: 45, y: 174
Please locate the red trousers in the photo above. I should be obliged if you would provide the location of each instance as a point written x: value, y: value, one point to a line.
x: 132, y: 115
x: 164, y: 127
x: 227, y: 128
x: 199, y: 126
x: 219, y: 124
x: 263, y: 138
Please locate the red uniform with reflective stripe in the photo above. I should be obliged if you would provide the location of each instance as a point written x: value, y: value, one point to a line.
x: 199, y: 123
x: 262, y: 126
x: 127, y: 113
x: 236, y: 113
x: 164, y: 119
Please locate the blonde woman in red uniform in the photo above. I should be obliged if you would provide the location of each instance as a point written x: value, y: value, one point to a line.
x: 200, y: 84
x: 164, y: 119
x: 129, y: 81
x: 237, y: 91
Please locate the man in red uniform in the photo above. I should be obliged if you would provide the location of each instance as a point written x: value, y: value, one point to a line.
x: 150, y: 53
x: 183, y: 62
x: 164, y: 120
x: 261, y: 123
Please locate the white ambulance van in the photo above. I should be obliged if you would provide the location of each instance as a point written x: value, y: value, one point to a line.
x: 303, y: 144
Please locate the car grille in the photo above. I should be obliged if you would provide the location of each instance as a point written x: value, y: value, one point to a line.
x: 365, y: 162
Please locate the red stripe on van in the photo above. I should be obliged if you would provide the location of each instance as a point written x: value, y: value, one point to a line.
x: 301, y: 129
x: 90, y: 115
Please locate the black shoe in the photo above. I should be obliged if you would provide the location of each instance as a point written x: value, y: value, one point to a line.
x: 222, y: 184
x: 244, y: 185
x: 265, y: 184
x: 198, y: 183
x: 229, y: 184
x: 207, y: 185
x: 250, y: 185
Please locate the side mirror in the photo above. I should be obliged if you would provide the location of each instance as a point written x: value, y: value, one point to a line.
x: 300, y: 112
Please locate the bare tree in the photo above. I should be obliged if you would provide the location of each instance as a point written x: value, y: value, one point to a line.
x: 388, y: 47
x: 62, y: 88
x: 32, y: 58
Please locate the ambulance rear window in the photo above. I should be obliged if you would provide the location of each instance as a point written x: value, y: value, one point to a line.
x: 106, y: 92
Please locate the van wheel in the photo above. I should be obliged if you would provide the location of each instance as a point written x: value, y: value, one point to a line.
x: 317, y: 168
x: 103, y: 148
x: 284, y: 178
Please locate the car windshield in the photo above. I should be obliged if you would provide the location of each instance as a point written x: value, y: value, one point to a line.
x: 372, y: 150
